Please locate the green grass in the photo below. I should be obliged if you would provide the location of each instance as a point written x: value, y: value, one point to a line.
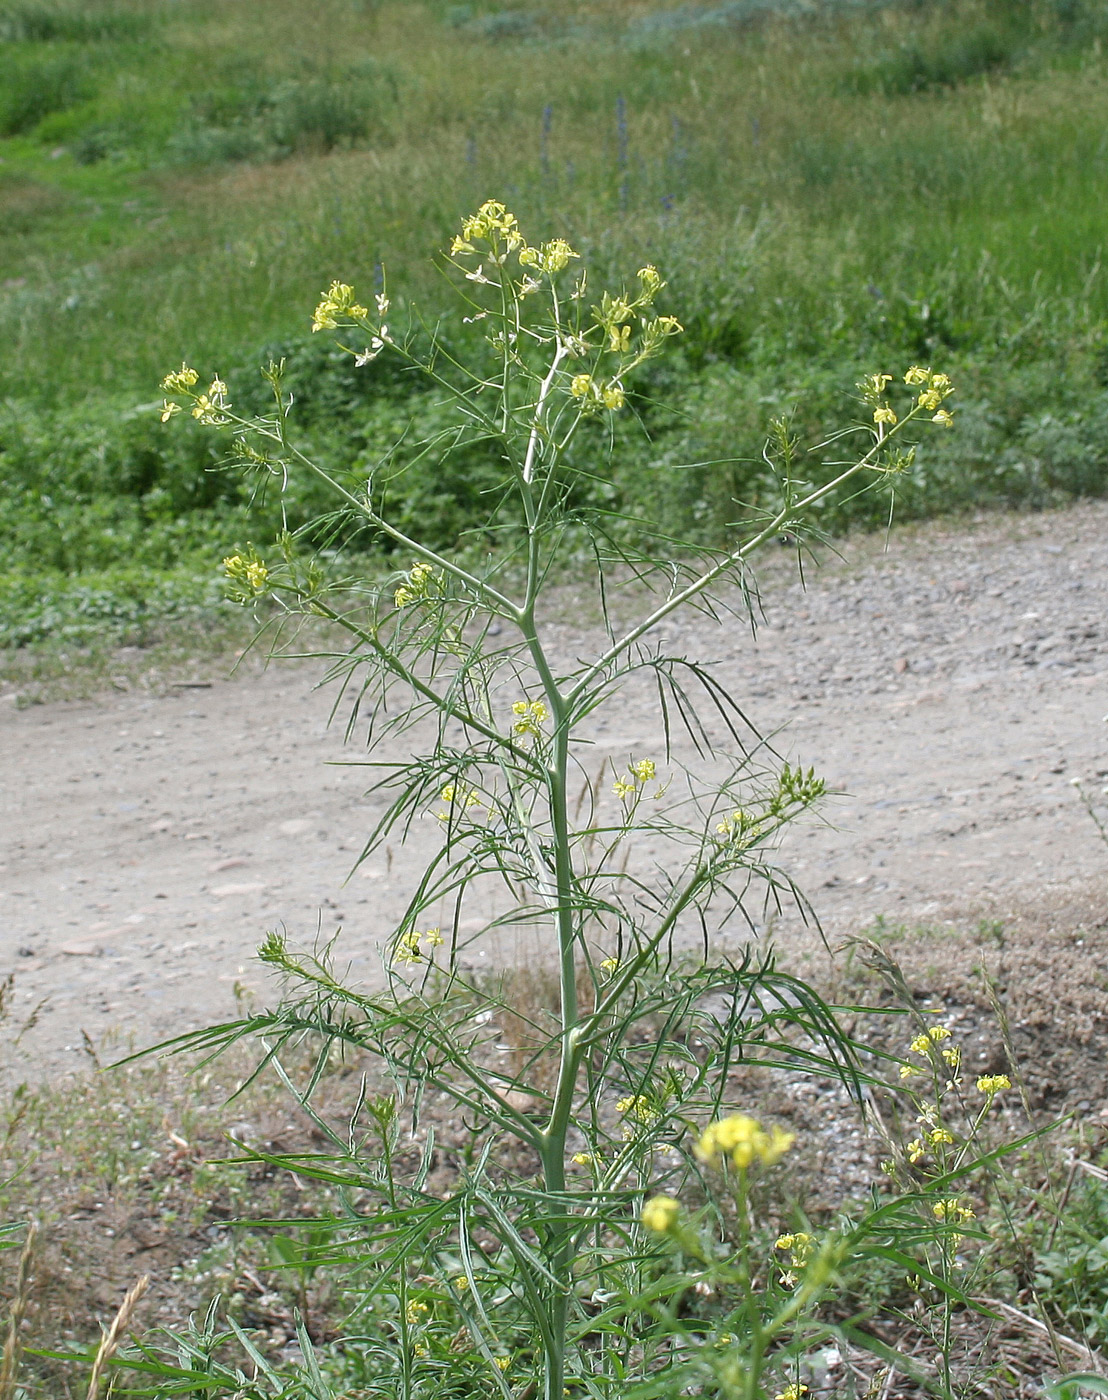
x: 828, y: 189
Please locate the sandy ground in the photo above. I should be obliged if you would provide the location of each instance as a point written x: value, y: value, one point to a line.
x: 952, y: 685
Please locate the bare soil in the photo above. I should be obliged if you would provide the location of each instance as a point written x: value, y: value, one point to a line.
x: 951, y: 681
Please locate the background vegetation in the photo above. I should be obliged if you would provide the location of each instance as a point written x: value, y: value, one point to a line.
x: 828, y: 187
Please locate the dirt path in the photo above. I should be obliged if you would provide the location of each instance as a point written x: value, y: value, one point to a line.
x: 953, y: 686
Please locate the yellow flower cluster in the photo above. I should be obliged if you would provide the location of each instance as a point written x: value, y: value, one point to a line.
x: 206, y: 408
x: 531, y: 716
x: 551, y: 257
x: 407, y: 950
x: 792, y: 1391
x: 610, y: 965
x: 596, y: 396
x: 337, y: 304
x: 639, y: 1108
x: 741, y: 828
x: 416, y: 1312
x: 583, y: 1159
x: 745, y: 1141
x: 491, y: 224
x: 418, y: 585
x: 799, y: 1245
x: 641, y: 772
x: 661, y: 1214
x: 250, y: 572
x: 933, y: 390
x: 992, y: 1084
x: 953, y: 1210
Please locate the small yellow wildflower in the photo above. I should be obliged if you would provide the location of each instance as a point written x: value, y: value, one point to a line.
x: 612, y: 395
x: 582, y: 1159
x: 800, y: 1246
x: 532, y: 714
x: 580, y: 385
x: 884, y: 414
x: 745, y: 1141
x: 943, y: 418
x: 464, y: 798
x: 418, y: 585
x: 929, y: 399
x: 180, y: 381
x: 638, y: 1107
x: 917, y: 375
x: 643, y: 770
x: 338, y: 301
x: 619, y: 339
x: 433, y: 938
x: 168, y: 409
x: 502, y: 1362
x: 491, y: 224
x: 792, y: 1392
x: 942, y: 383
x: 952, y: 1209
x: 939, y: 1135
x: 661, y: 1214
x: 991, y: 1084
x: 551, y: 258
x: 461, y: 1284
x: 406, y: 952
x: 250, y: 572
x: 610, y: 965
x: 416, y: 1312
x: 909, y: 1071
x: 952, y: 1055
x: 741, y: 828
x: 650, y: 283
x: 623, y: 789
x: 916, y: 1150
x: 925, y: 1042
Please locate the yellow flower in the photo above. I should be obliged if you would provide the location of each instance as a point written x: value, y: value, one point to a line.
x: 908, y: 1071
x: 916, y: 1150
x: 619, y: 339
x: 939, y: 1135
x: 180, y: 381
x: 552, y: 257
x: 917, y: 375
x: 929, y: 399
x: 661, y: 1214
x: 337, y: 301
x: 612, y: 394
x: 532, y: 714
x: 650, y: 283
x: 943, y: 418
x: 580, y: 385
x: 623, y: 789
x: 638, y: 1107
x: 406, y: 949
x: 745, y: 1141
x: 951, y: 1209
x: 991, y: 1084
x: 952, y: 1055
x: 433, y: 938
x: 251, y: 573
x: 169, y: 409
x: 416, y: 1312
x: 800, y: 1246
x: 610, y: 965
x: 461, y: 1284
x: 884, y: 414
x: 942, y: 383
x: 583, y: 1159
x: 925, y: 1042
x: 792, y: 1392
x: 502, y: 1362
x: 643, y: 770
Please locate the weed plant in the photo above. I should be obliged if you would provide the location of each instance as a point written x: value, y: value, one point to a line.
x: 610, y: 1230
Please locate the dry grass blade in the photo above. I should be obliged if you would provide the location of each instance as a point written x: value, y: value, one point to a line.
x: 109, y: 1343
x: 10, y: 1365
x: 1089, y: 1356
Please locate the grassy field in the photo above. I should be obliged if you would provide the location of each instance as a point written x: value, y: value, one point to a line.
x: 829, y: 188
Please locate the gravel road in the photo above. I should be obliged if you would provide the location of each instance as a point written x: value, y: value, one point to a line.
x: 952, y: 685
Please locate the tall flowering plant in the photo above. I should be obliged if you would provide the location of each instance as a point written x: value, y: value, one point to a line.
x: 542, y: 1268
